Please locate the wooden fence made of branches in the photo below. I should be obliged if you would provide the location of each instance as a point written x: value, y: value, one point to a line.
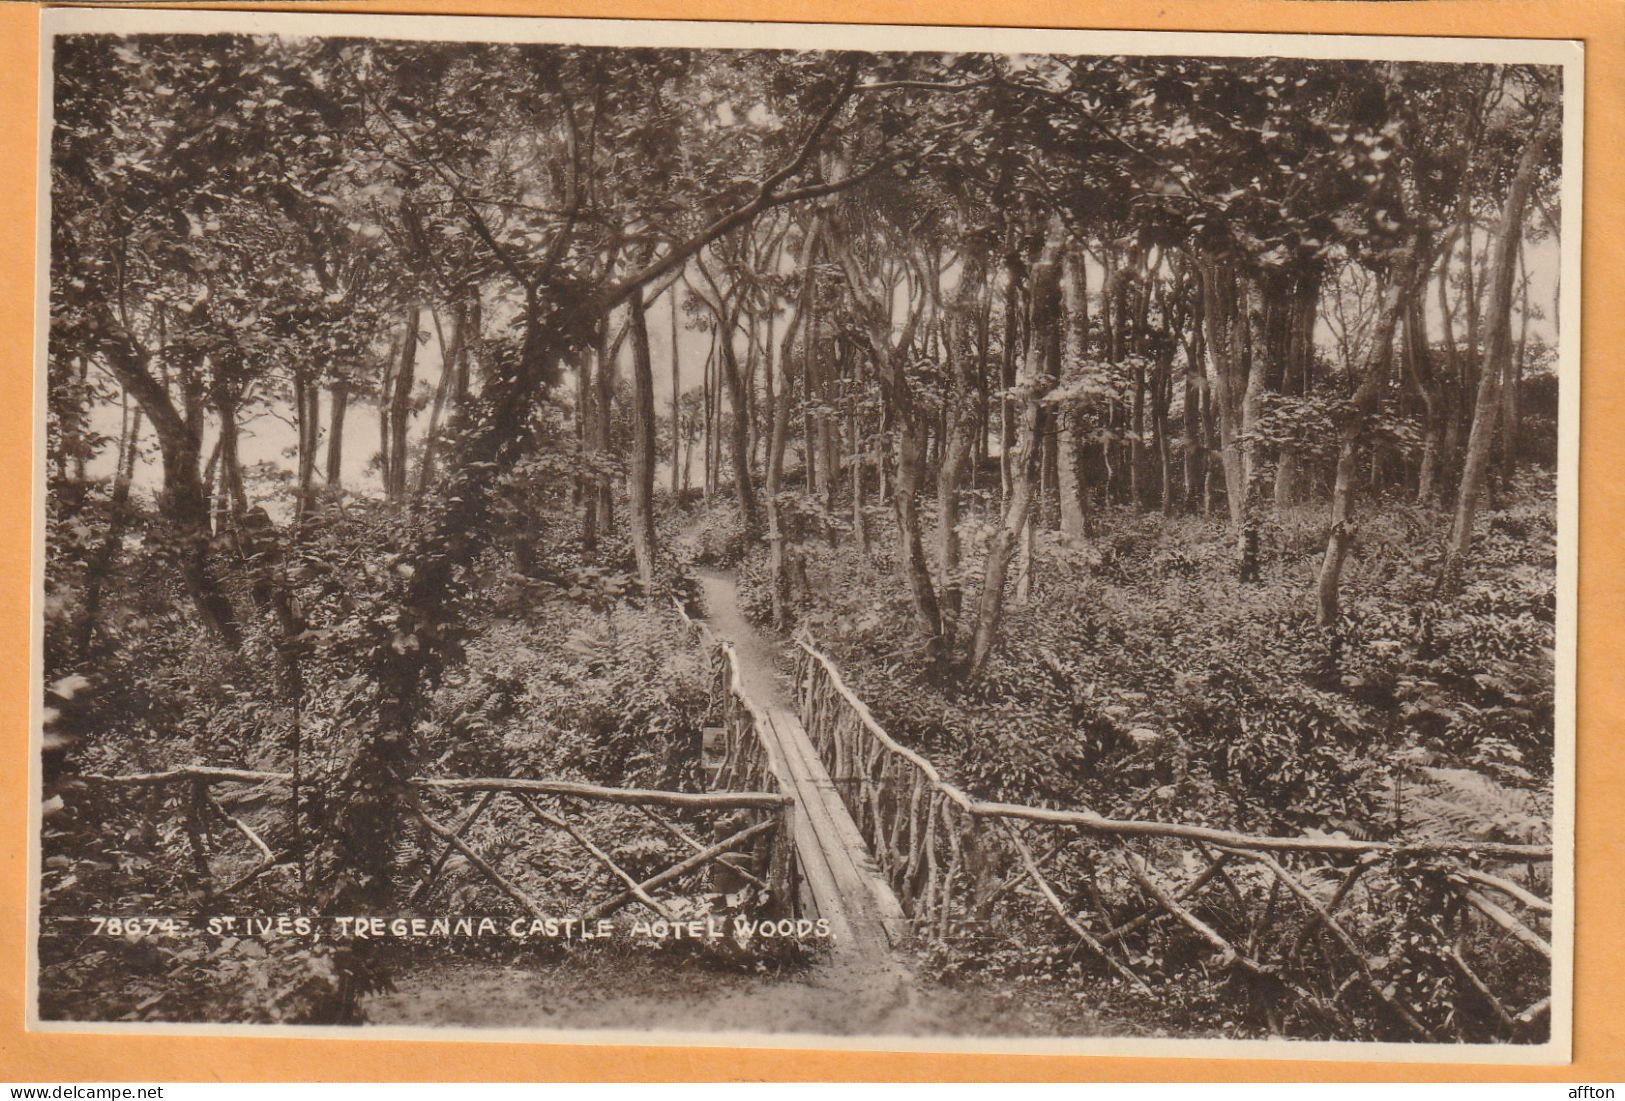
x: 550, y: 848
x: 1326, y: 936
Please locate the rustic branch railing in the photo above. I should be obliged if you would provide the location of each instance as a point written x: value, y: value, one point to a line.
x: 746, y: 764
x: 536, y: 850
x: 1336, y: 936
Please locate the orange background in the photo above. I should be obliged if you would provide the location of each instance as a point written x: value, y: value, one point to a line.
x: 1599, y: 1029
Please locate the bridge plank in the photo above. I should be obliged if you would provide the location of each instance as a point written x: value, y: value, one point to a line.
x: 856, y: 868
x: 839, y: 878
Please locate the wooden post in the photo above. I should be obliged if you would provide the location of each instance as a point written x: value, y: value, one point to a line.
x: 781, y: 867
x: 197, y: 800
x: 978, y: 873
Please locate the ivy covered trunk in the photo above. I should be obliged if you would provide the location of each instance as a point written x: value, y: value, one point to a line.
x: 182, y: 500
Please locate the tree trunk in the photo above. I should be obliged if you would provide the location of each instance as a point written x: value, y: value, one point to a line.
x: 1434, y: 410
x: 916, y: 568
x: 118, y: 515
x: 776, y: 535
x: 308, y: 411
x: 640, y: 482
x: 1286, y: 479
x: 603, y: 409
x: 770, y: 386
x: 1498, y: 350
x: 739, y: 429
x: 708, y: 419
x: 778, y: 565
x: 676, y: 418
x: 1194, y: 437
x: 829, y: 446
x: 400, y: 405
x: 182, y: 501
x: 1007, y: 368
x: 231, y: 466
x: 471, y: 326
x: 1136, y: 453
x: 809, y: 372
x: 1511, y: 415
x: 1364, y: 402
x: 1050, y: 475
x: 335, y: 433
x: 386, y: 390
x: 960, y: 414
x: 1235, y: 400
x: 1165, y: 457
x: 451, y: 366
x: 1073, y: 484
x: 586, y: 434
x: 856, y: 453
x: 1042, y: 358
x: 753, y: 407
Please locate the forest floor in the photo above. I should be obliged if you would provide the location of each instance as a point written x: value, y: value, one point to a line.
x: 831, y: 998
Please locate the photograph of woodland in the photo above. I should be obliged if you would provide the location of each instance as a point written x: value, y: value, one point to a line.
x: 861, y: 544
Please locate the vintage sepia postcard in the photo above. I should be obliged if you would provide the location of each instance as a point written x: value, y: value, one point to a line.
x: 893, y: 537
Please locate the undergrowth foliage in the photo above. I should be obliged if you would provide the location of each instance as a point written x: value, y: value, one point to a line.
x: 559, y: 675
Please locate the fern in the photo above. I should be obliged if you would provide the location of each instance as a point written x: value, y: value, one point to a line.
x: 1443, y: 803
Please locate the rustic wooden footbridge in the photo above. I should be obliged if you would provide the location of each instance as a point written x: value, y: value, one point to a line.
x: 813, y: 810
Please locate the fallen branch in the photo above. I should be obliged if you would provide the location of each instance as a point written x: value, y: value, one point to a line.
x: 243, y: 828
x: 732, y: 800
x: 696, y: 846
x: 1483, y: 991
x: 1336, y: 900
x: 205, y: 773
x: 1228, y: 952
x: 252, y: 874
x: 1117, y: 933
x: 1013, y: 882
x: 1535, y: 1012
x: 1095, y: 823
x: 1505, y: 886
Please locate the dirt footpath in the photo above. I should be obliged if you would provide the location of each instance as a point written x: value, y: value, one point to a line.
x: 659, y: 994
